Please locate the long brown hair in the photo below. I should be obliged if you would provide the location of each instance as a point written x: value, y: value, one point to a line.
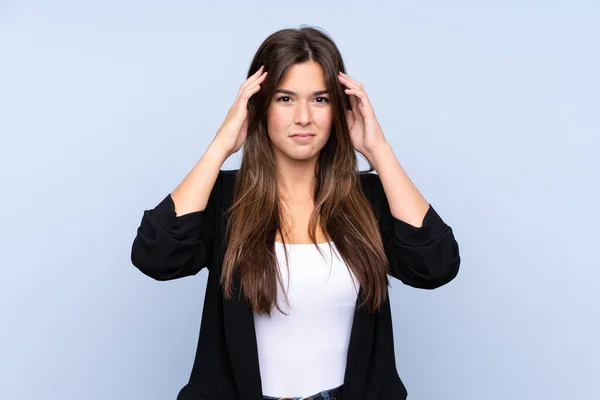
x: 341, y: 208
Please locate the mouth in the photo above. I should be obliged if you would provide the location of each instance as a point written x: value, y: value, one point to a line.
x: 302, y: 138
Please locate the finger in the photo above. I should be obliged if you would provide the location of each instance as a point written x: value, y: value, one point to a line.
x: 250, y: 82
x: 256, y: 75
x: 241, y: 100
x: 348, y: 83
x: 361, y: 95
x: 355, y: 97
x: 355, y: 105
x: 246, y: 94
x: 257, y: 72
x: 348, y: 77
x: 255, y: 81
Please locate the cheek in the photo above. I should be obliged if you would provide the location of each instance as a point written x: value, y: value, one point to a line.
x: 325, y: 120
x: 277, y: 121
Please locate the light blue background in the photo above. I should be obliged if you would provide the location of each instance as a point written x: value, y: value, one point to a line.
x: 492, y: 110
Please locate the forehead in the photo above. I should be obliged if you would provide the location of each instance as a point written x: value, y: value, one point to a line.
x: 304, y: 77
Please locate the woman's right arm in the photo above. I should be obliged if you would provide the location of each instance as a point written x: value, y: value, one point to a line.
x: 177, y: 237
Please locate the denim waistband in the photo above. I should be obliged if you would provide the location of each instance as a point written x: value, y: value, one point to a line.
x: 330, y: 394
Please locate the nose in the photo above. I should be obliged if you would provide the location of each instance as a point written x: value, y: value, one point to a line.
x: 302, y: 114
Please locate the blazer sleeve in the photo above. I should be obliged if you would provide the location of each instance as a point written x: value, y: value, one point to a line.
x: 423, y: 257
x: 168, y: 246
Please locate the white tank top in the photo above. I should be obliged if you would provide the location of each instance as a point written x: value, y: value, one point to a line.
x: 305, y: 351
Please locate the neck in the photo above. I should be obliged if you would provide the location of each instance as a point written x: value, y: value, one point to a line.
x: 296, y: 184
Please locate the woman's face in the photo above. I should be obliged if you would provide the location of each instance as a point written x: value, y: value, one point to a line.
x: 300, y: 105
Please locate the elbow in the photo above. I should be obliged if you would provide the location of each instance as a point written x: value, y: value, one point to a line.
x: 419, y: 280
x: 447, y: 274
x: 161, y: 265
x: 153, y: 271
x: 431, y: 268
x: 149, y: 267
x: 168, y: 247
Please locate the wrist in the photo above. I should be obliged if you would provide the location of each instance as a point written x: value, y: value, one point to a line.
x: 219, y: 151
x: 381, y: 152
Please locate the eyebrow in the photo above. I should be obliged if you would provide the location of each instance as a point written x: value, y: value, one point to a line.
x: 284, y: 91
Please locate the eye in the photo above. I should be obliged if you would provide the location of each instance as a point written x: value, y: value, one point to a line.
x: 283, y: 97
x: 326, y: 100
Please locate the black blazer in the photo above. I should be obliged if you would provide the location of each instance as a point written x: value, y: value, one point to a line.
x: 226, y: 364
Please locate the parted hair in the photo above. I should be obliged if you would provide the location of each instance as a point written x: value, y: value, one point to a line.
x: 341, y: 208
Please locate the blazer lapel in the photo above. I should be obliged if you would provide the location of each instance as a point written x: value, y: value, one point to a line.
x: 240, y: 336
x: 238, y: 321
x: 359, y: 353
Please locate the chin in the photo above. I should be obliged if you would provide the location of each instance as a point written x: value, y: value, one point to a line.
x: 302, y: 156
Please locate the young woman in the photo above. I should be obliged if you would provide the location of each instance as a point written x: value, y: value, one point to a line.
x: 282, y: 317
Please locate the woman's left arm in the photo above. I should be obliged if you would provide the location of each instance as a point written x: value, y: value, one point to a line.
x: 421, y: 247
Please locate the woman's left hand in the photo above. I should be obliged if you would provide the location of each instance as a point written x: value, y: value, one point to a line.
x: 365, y: 133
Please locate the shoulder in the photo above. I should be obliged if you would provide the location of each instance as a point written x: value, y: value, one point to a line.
x: 369, y: 178
x: 227, y: 176
x: 371, y: 185
x: 228, y: 173
x: 226, y: 183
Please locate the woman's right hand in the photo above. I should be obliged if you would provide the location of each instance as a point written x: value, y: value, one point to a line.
x: 232, y: 133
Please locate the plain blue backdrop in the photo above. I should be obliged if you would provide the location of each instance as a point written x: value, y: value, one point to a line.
x: 493, y: 110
